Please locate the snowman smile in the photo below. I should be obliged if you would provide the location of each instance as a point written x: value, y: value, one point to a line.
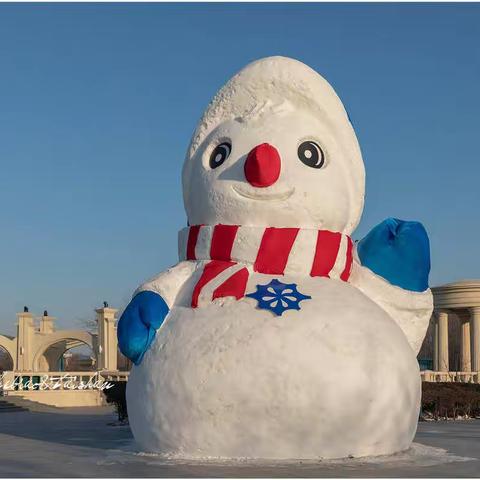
x: 256, y: 195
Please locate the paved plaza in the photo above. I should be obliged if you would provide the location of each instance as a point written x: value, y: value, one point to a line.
x: 84, y: 443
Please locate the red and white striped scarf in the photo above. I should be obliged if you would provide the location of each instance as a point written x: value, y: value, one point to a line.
x: 232, y: 252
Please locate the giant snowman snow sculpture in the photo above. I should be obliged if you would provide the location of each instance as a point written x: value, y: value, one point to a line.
x: 275, y: 336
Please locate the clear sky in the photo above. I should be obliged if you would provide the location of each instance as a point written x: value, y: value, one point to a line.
x: 98, y: 102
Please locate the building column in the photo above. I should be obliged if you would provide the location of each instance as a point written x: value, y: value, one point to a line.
x: 475, y: 338
x: 443, y: 341
x: 47, y: 323
x: 465, y: 357
x: 107, y: 339
x: 25, y: 333
x: 435, y: 342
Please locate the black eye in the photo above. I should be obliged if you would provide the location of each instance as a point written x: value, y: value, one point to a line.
x: 220, y: 154
x: 311, y: 154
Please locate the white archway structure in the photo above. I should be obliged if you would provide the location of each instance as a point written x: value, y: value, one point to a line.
x: 30, y: 348
x: 63, y: 340
x: 10, y: 346
x: 36, y: 351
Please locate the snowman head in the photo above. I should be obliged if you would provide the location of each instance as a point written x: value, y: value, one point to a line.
x: 275, y: 148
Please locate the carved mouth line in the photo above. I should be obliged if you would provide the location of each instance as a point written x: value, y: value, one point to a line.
x: 255, y: 195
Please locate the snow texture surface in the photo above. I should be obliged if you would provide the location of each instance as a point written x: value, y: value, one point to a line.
x: 282, y: 102
x: 338, y: 377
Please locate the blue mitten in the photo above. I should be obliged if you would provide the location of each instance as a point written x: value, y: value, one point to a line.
x: 138, y: 324
x: 398, y: 251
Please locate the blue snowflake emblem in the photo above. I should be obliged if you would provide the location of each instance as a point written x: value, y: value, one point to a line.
x: 278, y: 297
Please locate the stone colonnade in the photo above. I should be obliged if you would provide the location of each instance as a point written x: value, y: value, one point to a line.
x: 463, y: 300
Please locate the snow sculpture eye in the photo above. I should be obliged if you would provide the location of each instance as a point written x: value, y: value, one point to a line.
x: 311, y: 154
x: 220, y: 154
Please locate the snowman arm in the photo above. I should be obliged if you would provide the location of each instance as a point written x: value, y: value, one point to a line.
x: 167, y: 284
x: 410, y: 310
x: 391, y: 267
x: 398, y: 251
x: 148, y: 309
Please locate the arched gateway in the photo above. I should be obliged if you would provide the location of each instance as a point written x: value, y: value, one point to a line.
x: 36, y: 371
x: 9, y: 346
x: 55, y: 345
x: 38, y: 347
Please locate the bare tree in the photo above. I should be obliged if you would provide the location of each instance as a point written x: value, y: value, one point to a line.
x: 89, y: 324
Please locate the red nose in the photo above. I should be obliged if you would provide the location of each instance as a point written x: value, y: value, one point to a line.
x: 262, y: 167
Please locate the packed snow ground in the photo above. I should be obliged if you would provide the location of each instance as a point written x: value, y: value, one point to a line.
x: 81, y: 443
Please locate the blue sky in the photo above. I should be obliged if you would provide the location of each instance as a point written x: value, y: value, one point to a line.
x: 98, y: 102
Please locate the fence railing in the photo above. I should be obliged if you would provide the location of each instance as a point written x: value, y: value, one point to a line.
x: 96, y: 380
x: 14, y: 381
x: 462, y: 377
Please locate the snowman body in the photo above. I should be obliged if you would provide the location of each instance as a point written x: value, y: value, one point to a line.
x: 232, y: 380
x: 273, y: 171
